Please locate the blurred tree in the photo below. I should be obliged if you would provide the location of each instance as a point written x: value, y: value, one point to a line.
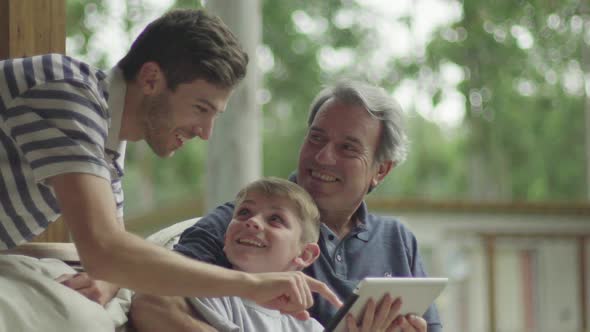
x: 521, y: 82
x: 523, y: 96
x: 80, y: 27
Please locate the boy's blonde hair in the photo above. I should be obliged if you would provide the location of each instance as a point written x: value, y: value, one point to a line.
x: 307, y: 211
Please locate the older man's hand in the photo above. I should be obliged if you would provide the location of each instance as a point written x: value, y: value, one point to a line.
x: 378, y: 318
x: 410, y: 323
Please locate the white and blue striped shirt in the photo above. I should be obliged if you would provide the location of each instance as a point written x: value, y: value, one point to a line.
x: 57, y: 115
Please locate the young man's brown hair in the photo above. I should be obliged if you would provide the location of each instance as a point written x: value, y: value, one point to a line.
x: 188, y: 44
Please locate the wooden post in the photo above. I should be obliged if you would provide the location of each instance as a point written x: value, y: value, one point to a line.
x: 583, y: 283
x: 490, y: 244
x: 30, y: 27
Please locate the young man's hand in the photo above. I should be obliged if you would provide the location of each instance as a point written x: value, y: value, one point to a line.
x: 98, y: 291
x: 289, y: 292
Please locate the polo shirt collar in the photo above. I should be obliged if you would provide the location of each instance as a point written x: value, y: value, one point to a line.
x: 116, y: 92
x: 363, y: 227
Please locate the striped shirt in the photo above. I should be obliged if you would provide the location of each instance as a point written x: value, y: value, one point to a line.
x: 56, y: 117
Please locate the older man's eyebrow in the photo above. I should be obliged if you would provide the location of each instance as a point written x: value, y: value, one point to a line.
x: 354, y: 140
x: 349, y: 138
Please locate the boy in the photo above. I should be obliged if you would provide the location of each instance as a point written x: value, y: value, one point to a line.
x: 275, y: 228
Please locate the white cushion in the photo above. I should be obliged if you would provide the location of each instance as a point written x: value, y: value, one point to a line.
x: 169, y: 236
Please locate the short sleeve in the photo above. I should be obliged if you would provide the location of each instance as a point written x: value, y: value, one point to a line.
x: 60, y: 127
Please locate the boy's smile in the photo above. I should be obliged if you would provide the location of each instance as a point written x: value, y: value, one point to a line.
x: 251, y: 242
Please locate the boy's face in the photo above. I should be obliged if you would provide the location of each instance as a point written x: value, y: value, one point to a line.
x: 264, y: 235
x: 174, y: 117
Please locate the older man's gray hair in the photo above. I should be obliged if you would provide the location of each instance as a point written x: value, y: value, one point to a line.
x: 393, y: 143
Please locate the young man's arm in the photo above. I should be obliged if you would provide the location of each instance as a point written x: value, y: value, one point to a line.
x: 99, y: 291
x: 109, y: 253
x: 202, y: 241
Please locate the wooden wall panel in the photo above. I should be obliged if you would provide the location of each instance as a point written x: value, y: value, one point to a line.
x: 4, y: 29
x: 30, y: 27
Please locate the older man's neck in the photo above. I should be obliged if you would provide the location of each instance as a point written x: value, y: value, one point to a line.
x: 340, y: 222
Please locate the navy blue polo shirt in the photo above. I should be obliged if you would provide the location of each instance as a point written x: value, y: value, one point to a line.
x: 377, y: 247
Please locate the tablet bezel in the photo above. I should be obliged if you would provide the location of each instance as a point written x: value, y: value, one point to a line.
x: 417, y: 295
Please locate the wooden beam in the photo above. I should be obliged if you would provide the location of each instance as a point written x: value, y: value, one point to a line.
x: 31, y: 27
x: 581, y: 208
x: 537, y: 235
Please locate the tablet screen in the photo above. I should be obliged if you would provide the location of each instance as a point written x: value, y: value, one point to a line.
x: 417, y: 295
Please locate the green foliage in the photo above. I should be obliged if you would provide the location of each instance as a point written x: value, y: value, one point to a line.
x: 432, y: 170
x: 522, y: 135
x: 77, y: 12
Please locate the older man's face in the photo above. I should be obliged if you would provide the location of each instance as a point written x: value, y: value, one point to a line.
x: 337, y: 159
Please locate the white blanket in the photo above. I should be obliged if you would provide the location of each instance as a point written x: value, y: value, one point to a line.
x: 31, y: 300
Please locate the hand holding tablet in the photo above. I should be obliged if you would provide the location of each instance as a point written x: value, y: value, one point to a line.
x: 417, y: 295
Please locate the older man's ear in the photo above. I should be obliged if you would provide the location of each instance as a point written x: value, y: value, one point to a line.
x: 383, y: 169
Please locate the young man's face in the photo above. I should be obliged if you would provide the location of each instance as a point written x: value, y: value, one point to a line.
x: 264, y: 235
x: 337, y: 159
x: 174, y: 117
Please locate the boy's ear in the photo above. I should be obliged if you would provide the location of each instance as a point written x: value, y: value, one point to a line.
x: 310, y: 252
x: 151, y: 78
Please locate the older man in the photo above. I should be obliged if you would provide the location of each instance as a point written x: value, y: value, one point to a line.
x: 355, y: 138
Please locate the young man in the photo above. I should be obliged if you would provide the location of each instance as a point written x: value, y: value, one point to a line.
x: 355, y: 138
x: 275, y: 227
x: 63, y: 130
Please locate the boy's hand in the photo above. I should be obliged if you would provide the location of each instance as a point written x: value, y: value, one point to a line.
x: 290, y: 292
x: 98, y: 291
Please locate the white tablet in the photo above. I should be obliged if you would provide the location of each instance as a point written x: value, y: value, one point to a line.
x: 417, y: 295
